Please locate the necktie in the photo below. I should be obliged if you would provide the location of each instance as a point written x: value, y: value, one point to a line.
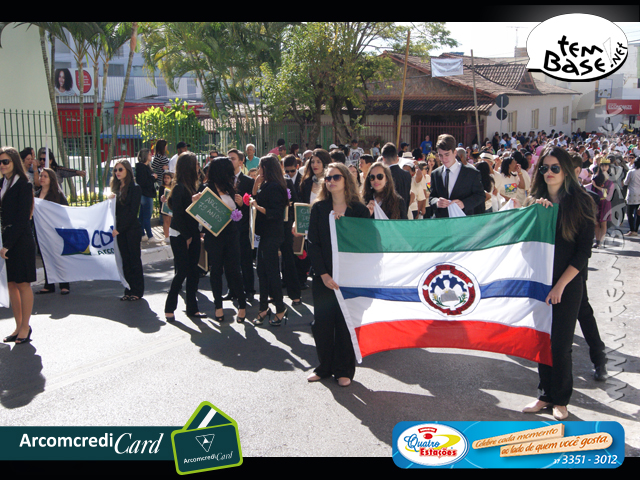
x: 446, y: 181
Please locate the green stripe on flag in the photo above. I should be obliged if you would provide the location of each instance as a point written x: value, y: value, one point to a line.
x: 478, y: 232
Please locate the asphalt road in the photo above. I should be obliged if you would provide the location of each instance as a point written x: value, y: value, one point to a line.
x: 95, y: 360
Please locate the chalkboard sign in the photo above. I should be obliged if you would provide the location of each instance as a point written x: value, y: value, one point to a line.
x: 302, y: 215
x: 211, y: 212
x: 165, y: 205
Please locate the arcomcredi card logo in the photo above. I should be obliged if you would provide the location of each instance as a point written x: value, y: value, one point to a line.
x: 432, y: 445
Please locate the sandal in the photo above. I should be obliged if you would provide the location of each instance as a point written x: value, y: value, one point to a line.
x: 133, y: 298
x: 44, y: 292
x: 124, y: 298
x: 276, y: 322
x: 259, y: 320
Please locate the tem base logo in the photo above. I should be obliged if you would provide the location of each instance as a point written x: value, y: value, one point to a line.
x: 208, y: 441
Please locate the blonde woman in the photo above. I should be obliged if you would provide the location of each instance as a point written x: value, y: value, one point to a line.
x: 340, y: 195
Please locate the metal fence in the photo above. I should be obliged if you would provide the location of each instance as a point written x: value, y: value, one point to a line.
x: 87, y: 147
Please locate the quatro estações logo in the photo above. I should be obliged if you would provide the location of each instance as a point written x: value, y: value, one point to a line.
x: 433, y: 445
x: 448, y: 289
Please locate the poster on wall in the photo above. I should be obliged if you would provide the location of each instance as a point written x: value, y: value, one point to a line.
x: 67, y: 82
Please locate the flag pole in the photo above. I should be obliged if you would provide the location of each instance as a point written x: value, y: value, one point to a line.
x: 475, y: 98
x: 404, y: 80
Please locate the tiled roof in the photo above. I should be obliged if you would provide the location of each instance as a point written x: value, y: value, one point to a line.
x: 432, y: 105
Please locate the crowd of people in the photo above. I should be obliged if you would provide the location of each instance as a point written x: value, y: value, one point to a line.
x: 580, y: 173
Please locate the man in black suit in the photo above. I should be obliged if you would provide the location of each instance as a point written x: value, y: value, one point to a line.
x: 401, y: 178
x: 454, y: 182
x: 243, y: 184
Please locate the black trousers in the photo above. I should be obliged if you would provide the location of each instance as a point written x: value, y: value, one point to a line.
x: 589, y: 328
x: 268, y: 268
x: 185, y: 260
x: 289, y: 268
x: 556, y: 382
x: 224, y: 255
x: 129, y: 246
x: 246, y: 262
x: 330, y: 332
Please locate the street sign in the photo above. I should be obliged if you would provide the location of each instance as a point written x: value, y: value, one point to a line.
x: 502, y: 101
x: 501, y: 114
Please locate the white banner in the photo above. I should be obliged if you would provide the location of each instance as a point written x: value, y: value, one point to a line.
x: 4, y: 288
x: 446, y: 67
x: 77, y: 243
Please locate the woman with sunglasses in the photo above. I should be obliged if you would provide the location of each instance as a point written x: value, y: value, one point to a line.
x: 556, y: 183
x: 270, y: 200
x: 339, y: 195
x: 127, y: 228
x: 61, y: 172
x: 49, y: 190
x: 380, y: 196
x: 18, y: 246
x: 184, y: 235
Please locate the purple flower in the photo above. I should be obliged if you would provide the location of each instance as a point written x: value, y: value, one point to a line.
x: 289, y: 194
x: 236, y: 215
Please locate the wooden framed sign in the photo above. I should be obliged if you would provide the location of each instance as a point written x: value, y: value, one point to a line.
x: 210, y: 212
x: 302, y: 215
x: 165, y: 205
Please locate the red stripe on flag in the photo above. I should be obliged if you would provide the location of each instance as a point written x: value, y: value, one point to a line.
x: 520, y: 342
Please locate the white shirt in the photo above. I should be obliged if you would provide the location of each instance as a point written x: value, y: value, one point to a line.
x: 172, y: 163
x: 453, y: 175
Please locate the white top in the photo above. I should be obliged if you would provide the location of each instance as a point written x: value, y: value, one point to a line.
x: 453, y: 175
x: 172, y: 163
x: 633, y: 181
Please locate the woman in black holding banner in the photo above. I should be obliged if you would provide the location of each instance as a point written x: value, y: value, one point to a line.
x: 270, y: 201
x: 224, y: 250
x: 127, y: 228
x: 184, y: 235
x: 333, y: 342
x: 555, y: 182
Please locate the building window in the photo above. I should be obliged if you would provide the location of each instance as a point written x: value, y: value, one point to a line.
x: 535, y: 114
x: 565, y: 115
x: 512, y: 120
x: 116, y: 70
x: 552, y: 117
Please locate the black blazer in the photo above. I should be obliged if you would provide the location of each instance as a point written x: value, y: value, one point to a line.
x: 402, y: 207
x: 179, y: 201
x: 127, y: 211
x: 144, y: 178
x: 320, y: 233
x: 304, y: 190
x: 402, y: 182
x: 273, y: 198
x: 468, y: 189
x: 245, y: 185
x: 15, y: 213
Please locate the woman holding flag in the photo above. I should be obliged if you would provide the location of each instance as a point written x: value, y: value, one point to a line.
x: 339, y: 195
x: 556, y: 183
x: 18, y: 247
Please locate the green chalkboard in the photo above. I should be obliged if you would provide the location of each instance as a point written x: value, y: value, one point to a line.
x: 211, y: 212
x: 302, y: 212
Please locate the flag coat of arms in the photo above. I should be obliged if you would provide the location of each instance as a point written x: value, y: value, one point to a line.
x: 77, y: 242
x: 477, y: 282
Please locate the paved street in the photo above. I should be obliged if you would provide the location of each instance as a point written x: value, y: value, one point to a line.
x: 95, y: 360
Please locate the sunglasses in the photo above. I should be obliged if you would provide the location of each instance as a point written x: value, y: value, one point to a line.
x: 43, y: 159
x: 5, y: 161
x: 379, y: 176
x: 333, y: 178
x: 118, y: 169
x: 291, y: 171
x: 545, y: 168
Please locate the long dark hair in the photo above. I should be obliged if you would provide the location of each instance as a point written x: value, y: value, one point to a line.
x: 485, y: 175
x: 221, y: 175
x: 54, y: 194
x: 576, y: 205
x: 272, y: 171
x: 325, y: 158
x: 390, y: 201
x: 121, y: 188
x: 18, y: 167
x: 186, y: 172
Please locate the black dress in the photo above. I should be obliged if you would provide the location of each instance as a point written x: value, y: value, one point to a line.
x: 128, y: 239
x: 17, y: 236
x: 333, y: 341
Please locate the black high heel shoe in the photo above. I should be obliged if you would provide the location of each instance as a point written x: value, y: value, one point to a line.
x: 24, y: 340
x: 259, y: 320
x: 219, y: 318
x: 276, y: 322
x: 10, y: 338
x: 240, y: 319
